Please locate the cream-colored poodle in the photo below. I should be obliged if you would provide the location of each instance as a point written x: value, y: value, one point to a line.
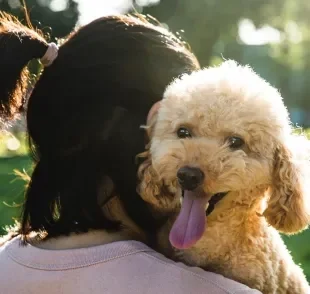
x: 222, y: 142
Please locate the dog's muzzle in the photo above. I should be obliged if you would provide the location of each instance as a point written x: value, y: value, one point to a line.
x: 190, y: 177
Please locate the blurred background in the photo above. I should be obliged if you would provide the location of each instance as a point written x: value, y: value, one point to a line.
x: 273, y: 36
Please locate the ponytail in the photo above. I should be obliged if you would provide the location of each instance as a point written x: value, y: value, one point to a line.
x: 18, y: 46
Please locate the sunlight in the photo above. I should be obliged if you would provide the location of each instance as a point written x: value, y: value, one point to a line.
x: 58, y: 5
x: 92, y: 9
x: 147, y: 2
x: 250, y: 35
x: 12, y: 144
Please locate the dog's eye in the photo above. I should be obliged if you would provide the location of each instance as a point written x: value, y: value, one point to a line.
x: 235, y: 142
x: 183, y: 133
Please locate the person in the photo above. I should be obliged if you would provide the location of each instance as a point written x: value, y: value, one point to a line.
x: 84, y: 228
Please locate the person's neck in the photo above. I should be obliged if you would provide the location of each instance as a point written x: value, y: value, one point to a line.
x: 113, y: 210
x: 75, y: 241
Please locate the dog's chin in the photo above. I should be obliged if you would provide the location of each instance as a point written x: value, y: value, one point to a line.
x: 214, y: 199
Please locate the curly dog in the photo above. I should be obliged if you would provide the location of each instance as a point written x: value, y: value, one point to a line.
x: 222, y: 143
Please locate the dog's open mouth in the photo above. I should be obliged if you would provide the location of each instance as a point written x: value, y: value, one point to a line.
x: 214, y: 200
x: 191, y: 221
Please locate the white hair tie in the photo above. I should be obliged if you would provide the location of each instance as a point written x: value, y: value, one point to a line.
x: 50, y: 55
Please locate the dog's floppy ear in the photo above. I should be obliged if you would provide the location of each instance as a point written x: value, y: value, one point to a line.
x: 149, y: 183
x: 288, y: 206
x: 149, y: 127
x: 153, y: 112
x: 151, y: 187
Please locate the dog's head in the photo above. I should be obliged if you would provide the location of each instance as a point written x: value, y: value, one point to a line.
x: 225, y: 129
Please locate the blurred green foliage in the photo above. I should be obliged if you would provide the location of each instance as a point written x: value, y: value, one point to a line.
x: 57, y: 24
x: 211, y: 27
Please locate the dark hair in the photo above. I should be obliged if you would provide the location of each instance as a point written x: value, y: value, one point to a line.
x: 15, y: 39
x: 84, y: 115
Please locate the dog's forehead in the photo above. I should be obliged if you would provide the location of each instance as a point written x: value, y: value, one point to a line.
x: 211, y: 114
x: 211, y: 107
x: 230, y: 95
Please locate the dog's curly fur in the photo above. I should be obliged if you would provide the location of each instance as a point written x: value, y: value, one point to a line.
x: 266, y: 179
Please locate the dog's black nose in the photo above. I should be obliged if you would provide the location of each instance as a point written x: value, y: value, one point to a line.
x: 190, y: 177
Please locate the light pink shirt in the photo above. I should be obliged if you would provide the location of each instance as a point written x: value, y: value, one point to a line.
x: 120, y: 267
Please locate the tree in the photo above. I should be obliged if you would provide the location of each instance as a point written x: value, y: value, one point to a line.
x: 205, y: 22
x: 211, y: 28
x: 56, y: 23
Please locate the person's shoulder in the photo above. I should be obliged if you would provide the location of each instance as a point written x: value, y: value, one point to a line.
x: 198, y: 280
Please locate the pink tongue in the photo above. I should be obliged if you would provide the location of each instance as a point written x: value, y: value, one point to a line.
x: 190, y: 224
